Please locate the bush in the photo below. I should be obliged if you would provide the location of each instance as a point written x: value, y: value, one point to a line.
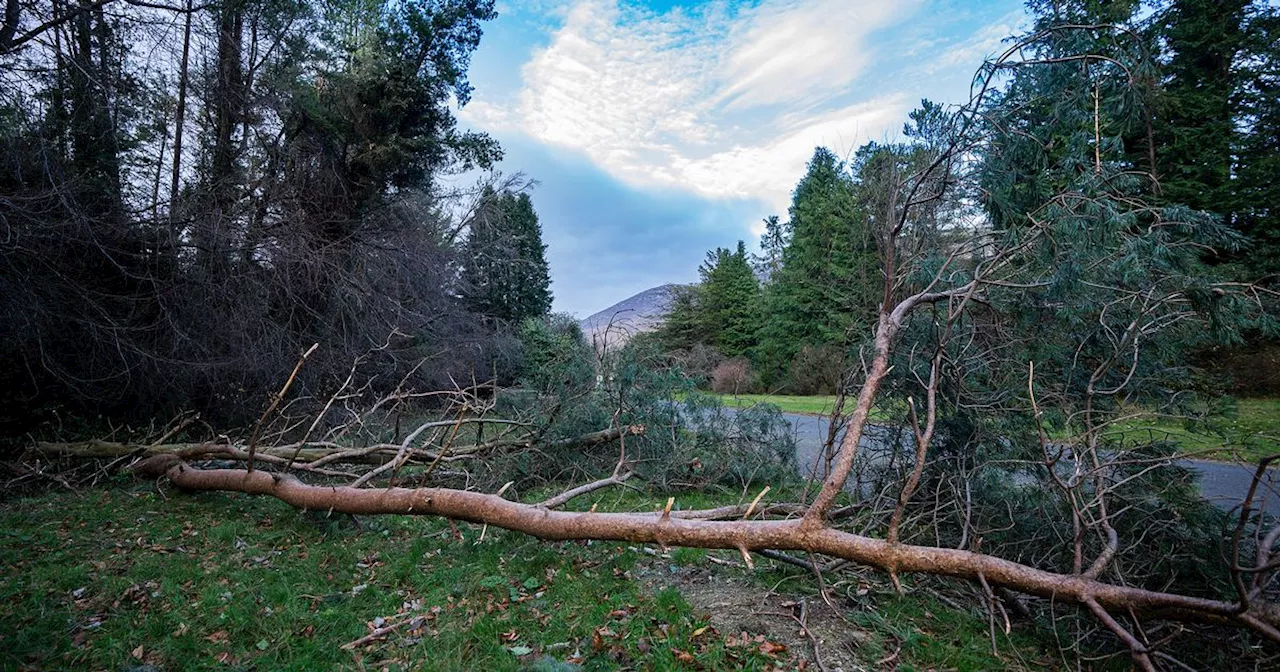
x: 699, y: 363
x: 733, y: 376
x: 816, y: 370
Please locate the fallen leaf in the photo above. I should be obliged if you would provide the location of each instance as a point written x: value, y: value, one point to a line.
x: 137, y: 653
x: 520, y: 650
x: 771, y: 648
x: 263, y: 644
x: 219, y: 637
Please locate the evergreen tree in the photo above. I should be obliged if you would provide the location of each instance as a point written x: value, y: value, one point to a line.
x: 817, y: 295
x: 774, y: 240
x: 1195, y: 131
x: 728, y: 301
x: 1257, y: 169
x: 506, y: 270
x: 682, y: 326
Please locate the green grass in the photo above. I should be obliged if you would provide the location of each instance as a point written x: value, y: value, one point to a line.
x: 114, y: 577
x: 817, y: 405
x: 1250, y: 433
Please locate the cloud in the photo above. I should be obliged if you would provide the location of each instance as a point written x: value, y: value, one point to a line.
x: 719, y: 101
x: 985, y: 43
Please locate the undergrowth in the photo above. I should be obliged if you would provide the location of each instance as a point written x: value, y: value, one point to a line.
x: 128, y: 575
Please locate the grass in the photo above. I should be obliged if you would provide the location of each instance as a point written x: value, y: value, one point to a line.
x: 816, y: 405
x: 1250, y: 433
x: 124, y: 576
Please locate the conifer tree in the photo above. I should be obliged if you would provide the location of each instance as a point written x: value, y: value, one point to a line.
x: 506, y: 273
x: 815, y: 297
x: 729, y: 301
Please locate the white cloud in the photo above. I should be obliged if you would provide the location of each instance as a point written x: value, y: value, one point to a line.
x: 985, y: 43
x: 720, y: 101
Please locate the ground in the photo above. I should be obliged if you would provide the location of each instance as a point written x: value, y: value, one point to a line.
x: 139, y: 577
x: 1249, y: 429
x: 815, y: 405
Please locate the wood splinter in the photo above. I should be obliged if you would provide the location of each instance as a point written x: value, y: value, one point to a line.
x: 666, y: 512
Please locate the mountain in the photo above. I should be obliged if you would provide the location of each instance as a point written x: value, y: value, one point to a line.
x: 640, y: 313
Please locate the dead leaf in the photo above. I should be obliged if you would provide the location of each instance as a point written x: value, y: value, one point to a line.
x: 772, y: 648
x: 219, y: 637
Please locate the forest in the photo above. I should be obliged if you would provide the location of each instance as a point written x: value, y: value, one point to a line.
x: 242, y: 286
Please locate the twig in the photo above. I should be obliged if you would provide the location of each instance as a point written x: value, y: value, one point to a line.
x: 257, y: 427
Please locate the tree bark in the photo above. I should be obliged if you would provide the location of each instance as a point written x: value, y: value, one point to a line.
x: 744, y: 535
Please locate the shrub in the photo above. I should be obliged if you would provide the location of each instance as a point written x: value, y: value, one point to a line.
x: 699, y: 363
x: 816, y: 370
x: 733, y: 376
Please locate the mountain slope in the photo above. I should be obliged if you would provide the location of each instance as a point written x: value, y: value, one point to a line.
x: 624, y: 319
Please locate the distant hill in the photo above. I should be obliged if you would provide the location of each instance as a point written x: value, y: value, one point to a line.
x: 624, y: 319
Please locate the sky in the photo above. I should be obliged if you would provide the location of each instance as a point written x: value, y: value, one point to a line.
x: 657, y: 130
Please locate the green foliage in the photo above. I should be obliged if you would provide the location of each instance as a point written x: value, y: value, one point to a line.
x: 506, y: 272
x: 773, y: 242
x: 822, y: 290
x: 383, y: 102
x: 557, y: 358
x: 1257, y: 191
x: 728, y: 301
x: 682, y: 327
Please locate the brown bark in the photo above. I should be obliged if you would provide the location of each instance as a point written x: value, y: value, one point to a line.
x: 317, y: 454
x: 662, y: 528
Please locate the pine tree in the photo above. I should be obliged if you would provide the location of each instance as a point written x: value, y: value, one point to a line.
x: 1257, y: 188
x: 1195, y: 130
x: 774, y: 240
x: 506, y: 272
x: 816, y: 296
x: 728, y: 301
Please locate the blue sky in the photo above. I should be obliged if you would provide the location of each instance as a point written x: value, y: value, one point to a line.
x: 660, y: 129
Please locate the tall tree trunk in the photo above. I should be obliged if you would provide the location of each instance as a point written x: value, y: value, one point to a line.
x: 180, y: 115
x: 228, y: 104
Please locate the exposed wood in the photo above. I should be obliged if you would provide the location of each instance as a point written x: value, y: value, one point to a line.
x: 744, y: 535
x: 316, y: 454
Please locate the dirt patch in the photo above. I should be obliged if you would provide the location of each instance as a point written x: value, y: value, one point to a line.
x: 738, y: 608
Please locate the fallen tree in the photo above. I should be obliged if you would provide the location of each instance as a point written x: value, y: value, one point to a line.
x: 996, y: 305
x: 313, y: 455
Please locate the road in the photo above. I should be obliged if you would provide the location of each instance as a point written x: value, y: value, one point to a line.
x: 1224, y: 484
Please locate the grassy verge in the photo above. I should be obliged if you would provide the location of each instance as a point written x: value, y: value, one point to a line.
x: 1250, y: 433
x: 818, y: 405
x: 128, y: 576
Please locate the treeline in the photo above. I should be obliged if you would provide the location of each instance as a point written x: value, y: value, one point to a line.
x: 191, y: 194
x: 1191, y: 120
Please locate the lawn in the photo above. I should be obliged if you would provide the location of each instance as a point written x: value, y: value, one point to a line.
x: 130, y: 576
x: 1249, y: 433
x: 817, y: 405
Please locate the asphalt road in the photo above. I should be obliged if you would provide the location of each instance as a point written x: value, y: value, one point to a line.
x: 1224, y: 484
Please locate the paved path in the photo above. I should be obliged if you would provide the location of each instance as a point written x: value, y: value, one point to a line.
x: 1224, y: 484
